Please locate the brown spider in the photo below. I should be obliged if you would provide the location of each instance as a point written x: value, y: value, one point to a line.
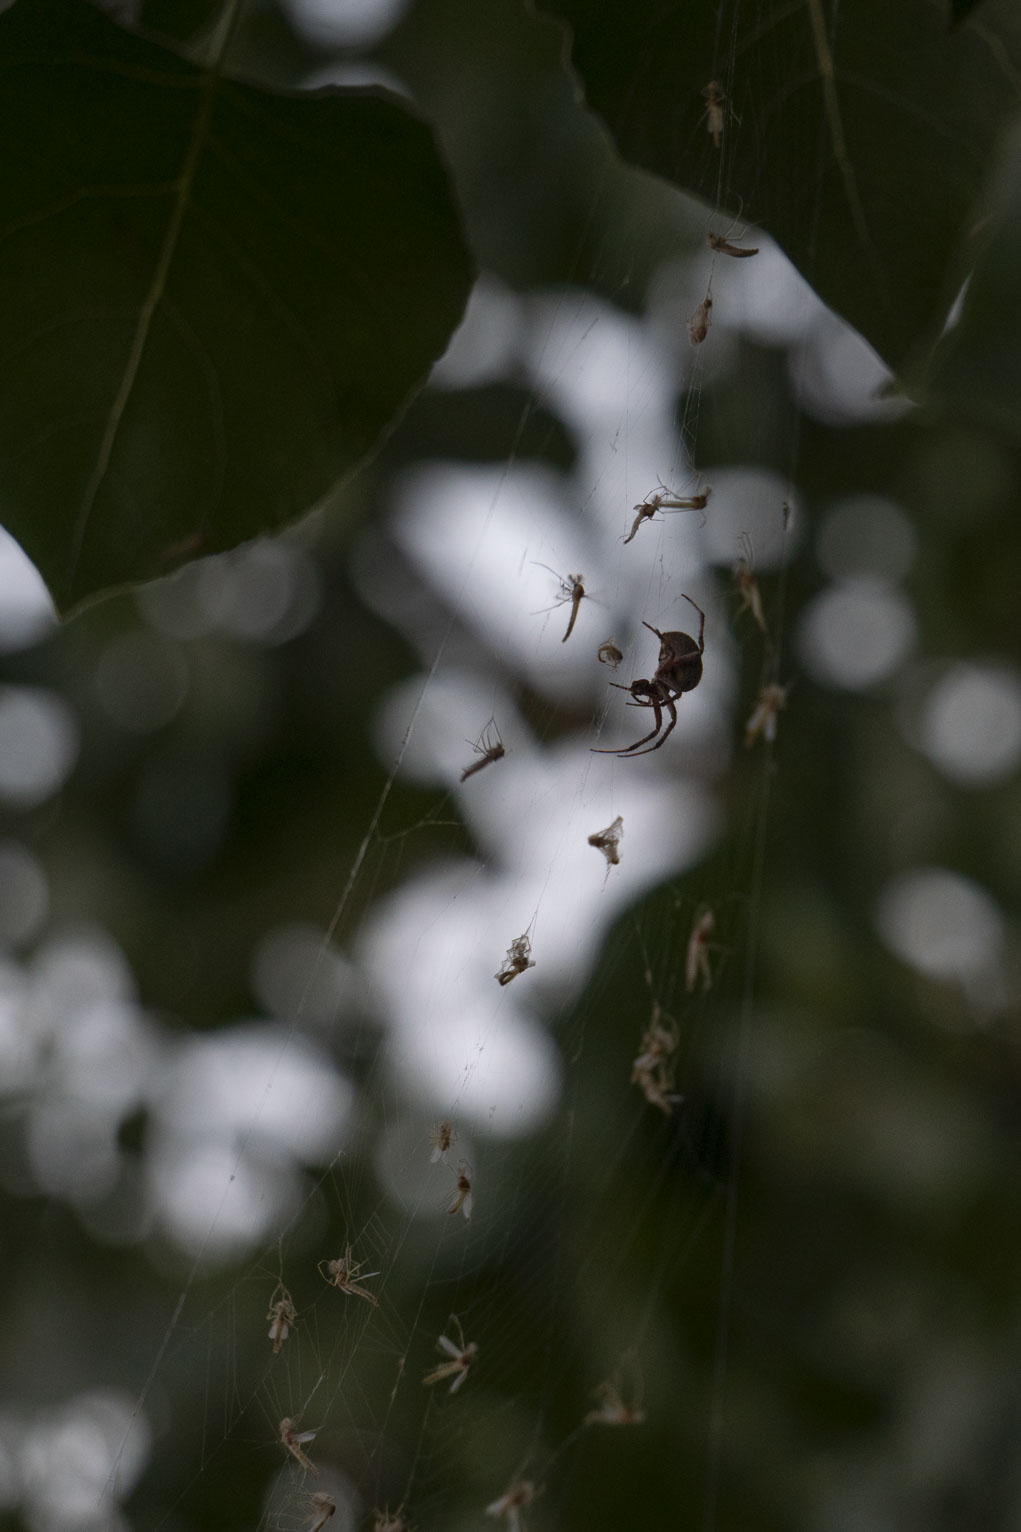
x: 679, y: 670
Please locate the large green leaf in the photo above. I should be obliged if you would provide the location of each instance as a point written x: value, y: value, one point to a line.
x: 976, y: 370
x: 857, y: 135
x: 216, y: 297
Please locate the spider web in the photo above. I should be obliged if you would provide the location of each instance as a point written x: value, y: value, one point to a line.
x: 600, y: 1220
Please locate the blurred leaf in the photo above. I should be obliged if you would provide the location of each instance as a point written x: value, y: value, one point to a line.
x: 960, y: 10
x: 976, y: 369
x: 178, y: 18
x: 859, y: 145
x: 213, y: 303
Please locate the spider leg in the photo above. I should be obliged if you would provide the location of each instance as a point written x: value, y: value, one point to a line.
x: 668, y: 702
x: 701, y: 626
x: 657, y: 709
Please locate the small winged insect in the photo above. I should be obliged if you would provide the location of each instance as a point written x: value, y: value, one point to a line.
x: 722, y: 245
x: 295, y: 1441
x: 608, y: 841
x: 747, y: 584
x: 762, y: 723
x: 612, y: 1409
x: 700, y: 322
x: 516, y: 1495
x: 442, y: 1138
x: 663, y: 499
x: 390, y: 1521
x: 346, y: 1274
x: 572, y: 589
x: 653, y: 1069
x: 460, y: 1356
x: 518, y: 959
x: 487, y: 749
x: 461, y: 1202
x: 696, y: 962
x: 714, y: 111
x: 322, y: 1508
x: 609, y: 654
x: 281, y: 1316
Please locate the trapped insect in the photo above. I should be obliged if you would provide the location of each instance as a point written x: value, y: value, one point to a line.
x: 323, y: 1507
x: 442, y: 1138
x: 747, y: 584
x: 346, y: 1274
x: 390, y: 1521
x: 573, y: 590
x: 460, y: 1356
x: 487, y: 749
x: 722, y: 245
x: 609, y: 654
x: 608, y: 841
x: 653, y: 1069
x: 762, y: 723
x: 281, y: 1316
x: 713, y: 114
x: 521, y: 1492
x: 294, y: 1441
x: 679, y: 671
x: 700, y: 322
x: 518, y: 959
x: 664, y: 499
x: 612, y: 1410
x: 696, y: 962
x: 462, y: 1198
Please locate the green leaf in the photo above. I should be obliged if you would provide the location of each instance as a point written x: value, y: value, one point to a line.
x: 960, y: 10
x: 856, y: 136
x: 216, y: 297
x: 178, y: 18
x: 976, y: 369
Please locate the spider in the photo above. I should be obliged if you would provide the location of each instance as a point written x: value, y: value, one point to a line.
x: 679, y: 670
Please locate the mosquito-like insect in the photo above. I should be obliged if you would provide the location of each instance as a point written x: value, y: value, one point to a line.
x: 700, y: 321
x: 487, y: 749
x: 608, y: 841
x: 442, y: 1138
x: 713, y: 115
x: 281, y: 1316
x: 608, y: 653
x: 461, y: 1202
x: 346, y: 1274
x: 747, y: 584
x: 762, y: 723
x: 612, y: 1410
x: 390, y: 1521
x: 572, y: 589
x: 663, y: 499
x: 722, y: 245
x: 696, y: 961
x: 518, y: 959
x: 460, y: 1356
x: 294, y: 1441
x: 322, y: 1508
x: 521, y: 1492
x: 653, y: 1069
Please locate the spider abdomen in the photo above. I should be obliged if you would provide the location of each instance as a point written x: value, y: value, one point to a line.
x: 680, y: 662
